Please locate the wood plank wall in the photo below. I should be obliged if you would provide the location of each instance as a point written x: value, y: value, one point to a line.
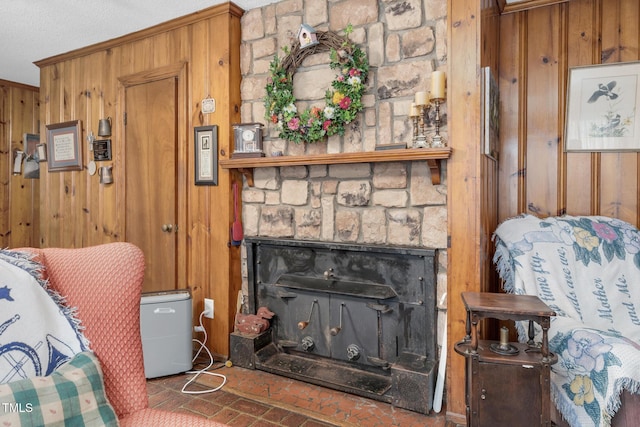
x: 489, y: 57
x: 19, y: 197
x: 472, y: 191
x: 537, y: 47
x: 530, y: 52
x: 86, y: 85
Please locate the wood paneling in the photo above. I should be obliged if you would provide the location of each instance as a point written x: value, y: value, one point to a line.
x: 542, y: 61
x: 471, y: 176
x: 86, y: 85
x: 537, y: 48
x: 19, y: 197
x: 619, y: 191
x: 530, y: 54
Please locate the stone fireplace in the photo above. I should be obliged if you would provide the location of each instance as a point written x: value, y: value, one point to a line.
x: 374, y: 211
x: 357, y: 318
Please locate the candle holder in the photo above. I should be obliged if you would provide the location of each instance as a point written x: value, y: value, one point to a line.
x: 421, y: 140
x: 503, y: 347
x: 416, y: 124
x: 437, y: 141
x: 421, y: 107
x: 419, y: 110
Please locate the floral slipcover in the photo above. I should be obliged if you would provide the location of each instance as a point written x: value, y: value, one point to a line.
x: 586, y: 269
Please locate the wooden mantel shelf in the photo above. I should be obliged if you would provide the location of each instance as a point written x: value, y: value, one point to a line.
x: 433, y: 156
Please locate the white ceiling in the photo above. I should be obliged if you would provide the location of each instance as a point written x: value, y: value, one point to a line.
x: 31, y: 30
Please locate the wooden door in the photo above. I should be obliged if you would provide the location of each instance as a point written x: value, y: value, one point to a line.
x: 509, y: 395
x: 151, y: 170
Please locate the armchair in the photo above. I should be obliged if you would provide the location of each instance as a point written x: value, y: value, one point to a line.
x: 104, y: 283
x: 586, y: 269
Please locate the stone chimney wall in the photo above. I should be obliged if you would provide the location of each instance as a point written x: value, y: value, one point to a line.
x: 369, y: 203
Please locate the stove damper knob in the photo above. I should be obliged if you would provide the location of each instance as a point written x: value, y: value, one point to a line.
x: 353, y: 352
x: 307, y: 343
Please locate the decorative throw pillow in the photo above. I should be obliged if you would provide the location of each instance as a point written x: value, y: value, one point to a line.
x: 73, y: 395
x: 38, y: 332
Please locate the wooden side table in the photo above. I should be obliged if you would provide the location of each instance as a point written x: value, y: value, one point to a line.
x: 507, y: 384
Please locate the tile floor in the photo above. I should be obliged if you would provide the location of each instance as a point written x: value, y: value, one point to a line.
x: 259, y: 399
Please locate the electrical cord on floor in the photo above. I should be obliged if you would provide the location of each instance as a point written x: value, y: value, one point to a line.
x: 204, y: 371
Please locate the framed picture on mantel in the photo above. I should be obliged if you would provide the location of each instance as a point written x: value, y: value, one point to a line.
x: 602, y: 108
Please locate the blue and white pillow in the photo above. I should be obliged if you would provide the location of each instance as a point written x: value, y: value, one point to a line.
x: 38, y: 333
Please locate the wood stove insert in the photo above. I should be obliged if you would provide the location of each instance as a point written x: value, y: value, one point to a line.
x: 357, y: 318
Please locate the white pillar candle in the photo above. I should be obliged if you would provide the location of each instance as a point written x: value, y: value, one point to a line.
x: 421, y: 98
x: 414, y: 111
x: 437, y: 85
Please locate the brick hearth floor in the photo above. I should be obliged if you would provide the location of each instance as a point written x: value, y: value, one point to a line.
x: 259, y: 399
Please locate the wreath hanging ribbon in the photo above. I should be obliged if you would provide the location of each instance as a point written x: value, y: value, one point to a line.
x: 343, y: 101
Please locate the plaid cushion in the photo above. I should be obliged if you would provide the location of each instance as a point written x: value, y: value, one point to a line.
x: 73, y: 395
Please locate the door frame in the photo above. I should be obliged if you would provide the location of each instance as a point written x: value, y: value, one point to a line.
x: 179, y: 72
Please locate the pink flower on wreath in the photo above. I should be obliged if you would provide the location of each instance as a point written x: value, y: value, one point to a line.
x: 354, y: 72
x: 326, y: 124
x: 294, y: 123
x: 345, y: 102
x: 340, y: 78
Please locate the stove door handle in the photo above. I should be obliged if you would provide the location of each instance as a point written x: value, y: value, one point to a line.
x: 383, y: 308
x: 283, y: 294
x: 376, y: 361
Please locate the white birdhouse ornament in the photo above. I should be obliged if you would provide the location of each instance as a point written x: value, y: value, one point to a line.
x: 307, y: 36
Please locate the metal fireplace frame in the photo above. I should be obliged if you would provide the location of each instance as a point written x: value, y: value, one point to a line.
x: 352, y: 317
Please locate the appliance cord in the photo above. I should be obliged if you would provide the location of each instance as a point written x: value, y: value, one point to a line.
x: 204, y: 371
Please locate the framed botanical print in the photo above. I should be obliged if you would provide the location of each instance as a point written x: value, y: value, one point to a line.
x: 602, y: 108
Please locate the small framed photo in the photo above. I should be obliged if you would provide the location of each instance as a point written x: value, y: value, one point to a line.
x: 206, y: 155
x: 602, y: 108
x: 64, y: 148
x: 101, y: 150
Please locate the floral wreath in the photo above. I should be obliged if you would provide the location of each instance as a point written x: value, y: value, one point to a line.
x: 343, y: 100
